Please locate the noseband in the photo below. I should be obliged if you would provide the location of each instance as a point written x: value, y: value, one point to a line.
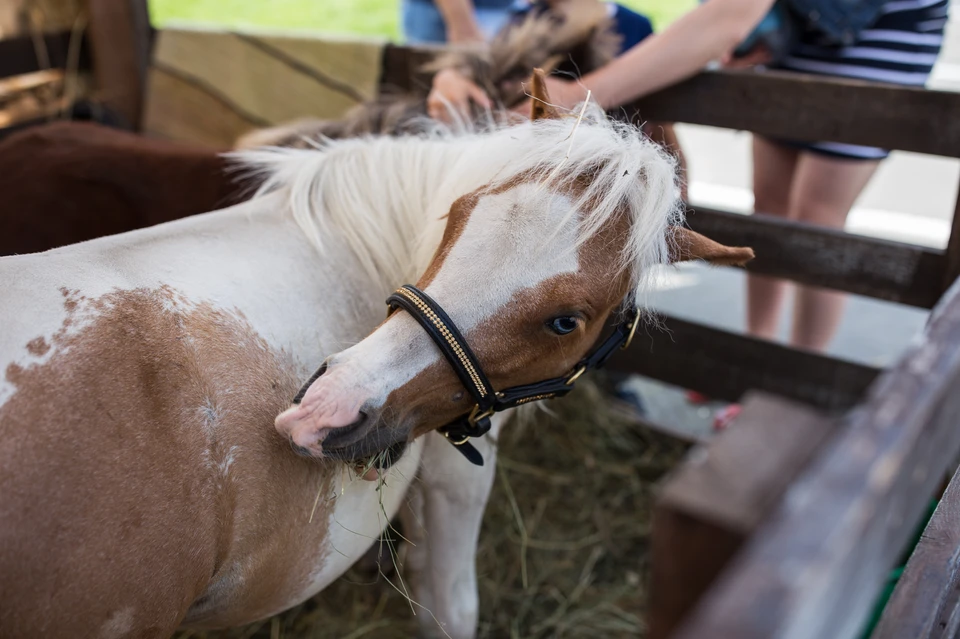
x: 461, y: 358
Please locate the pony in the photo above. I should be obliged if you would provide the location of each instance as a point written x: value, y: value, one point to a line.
x: 575, y: 36
x: 68, y: 182
x: 155, y: 472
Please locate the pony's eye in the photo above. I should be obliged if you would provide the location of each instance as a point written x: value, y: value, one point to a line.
x: 563, y: 325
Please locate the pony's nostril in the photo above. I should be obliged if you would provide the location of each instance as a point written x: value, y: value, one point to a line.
x: 301, y: 450
x: 345, y: 435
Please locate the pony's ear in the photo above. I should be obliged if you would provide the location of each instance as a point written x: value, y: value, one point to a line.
x: 540, y: 107
x: 688, y: 245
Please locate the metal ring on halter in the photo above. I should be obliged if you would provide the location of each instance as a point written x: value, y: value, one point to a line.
x: 633, y: 330
x: 576, y: 375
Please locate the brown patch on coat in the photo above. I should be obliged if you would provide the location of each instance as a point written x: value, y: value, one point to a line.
x: 38, y: 346
x: 142, y: 481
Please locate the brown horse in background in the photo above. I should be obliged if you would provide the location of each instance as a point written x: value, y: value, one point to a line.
x: 68, y: 182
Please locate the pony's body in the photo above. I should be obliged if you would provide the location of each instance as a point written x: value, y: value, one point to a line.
x: 143, y: 372
x: 138, y: 402
x: 142, y: 485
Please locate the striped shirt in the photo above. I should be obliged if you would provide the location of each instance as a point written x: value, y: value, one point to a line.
x: 901, y: 47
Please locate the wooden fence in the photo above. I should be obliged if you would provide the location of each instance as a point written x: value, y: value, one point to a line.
x: 784, y: 526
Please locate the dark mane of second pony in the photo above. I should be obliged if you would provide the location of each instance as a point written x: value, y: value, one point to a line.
x: 575, y: 36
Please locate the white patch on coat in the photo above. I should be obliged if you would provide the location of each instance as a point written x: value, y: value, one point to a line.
x: 362, y: 509
x: 118, y: 625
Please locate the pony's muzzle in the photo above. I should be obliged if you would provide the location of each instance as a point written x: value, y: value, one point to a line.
x: 317, y: 428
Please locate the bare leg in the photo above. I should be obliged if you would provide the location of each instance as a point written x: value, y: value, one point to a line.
x: 773, y: 168
x: 452, y: 498
x: 824, y: 189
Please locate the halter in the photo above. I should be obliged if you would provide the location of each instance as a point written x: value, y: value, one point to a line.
x: 458, y: 354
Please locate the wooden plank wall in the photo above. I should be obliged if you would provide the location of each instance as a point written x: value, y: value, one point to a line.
x: 210, y: 87
x: 815, y: 568
x: 716, y: 500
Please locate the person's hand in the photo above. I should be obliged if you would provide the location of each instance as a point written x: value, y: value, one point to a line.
x: 464, y: 34
x: 451, y: 90
x: 758, y: 55
x: 564, y: 94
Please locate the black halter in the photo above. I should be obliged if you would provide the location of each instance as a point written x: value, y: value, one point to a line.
x: 455, y: 349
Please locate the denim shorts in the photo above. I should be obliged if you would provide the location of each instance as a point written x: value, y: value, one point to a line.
x: 423, y: 24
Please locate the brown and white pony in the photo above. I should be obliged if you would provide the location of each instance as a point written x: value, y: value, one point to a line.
x: 144, y: 485
x: 69, y: 182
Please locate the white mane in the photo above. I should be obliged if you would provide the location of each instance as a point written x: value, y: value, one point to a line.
x: 388, y: 197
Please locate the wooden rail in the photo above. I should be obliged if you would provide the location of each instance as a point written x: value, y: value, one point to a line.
x: 726, y: 365
x: 813, y: 108
x: 819, y: 256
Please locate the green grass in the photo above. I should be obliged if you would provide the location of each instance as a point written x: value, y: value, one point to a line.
x: 366, y: 17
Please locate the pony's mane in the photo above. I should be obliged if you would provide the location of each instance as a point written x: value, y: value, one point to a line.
x: 387, y: 198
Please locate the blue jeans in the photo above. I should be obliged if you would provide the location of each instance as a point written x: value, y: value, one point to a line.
x: 423, y: 24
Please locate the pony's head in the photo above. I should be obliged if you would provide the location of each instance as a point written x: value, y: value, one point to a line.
x: 530, y: 268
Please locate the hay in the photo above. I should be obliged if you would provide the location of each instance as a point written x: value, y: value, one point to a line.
x: 563, y: 551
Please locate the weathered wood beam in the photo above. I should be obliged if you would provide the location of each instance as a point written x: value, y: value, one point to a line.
x: 725, y: 365
x: 795, y: 106
x: 819, y: 256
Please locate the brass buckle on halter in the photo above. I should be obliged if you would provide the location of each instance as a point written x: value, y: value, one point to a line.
x: 633, y: 329
x: 476, y: 415
x: 456, y: 442
x: 576, y: 374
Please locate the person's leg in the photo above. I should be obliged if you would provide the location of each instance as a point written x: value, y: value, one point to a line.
x: 824, y: 190
x: 773, y: 170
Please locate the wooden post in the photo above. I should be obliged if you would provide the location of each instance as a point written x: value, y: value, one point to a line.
x: 952, y: 268
x: 926, y: 602
x: 717, y: 498
x: 119, y: 35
